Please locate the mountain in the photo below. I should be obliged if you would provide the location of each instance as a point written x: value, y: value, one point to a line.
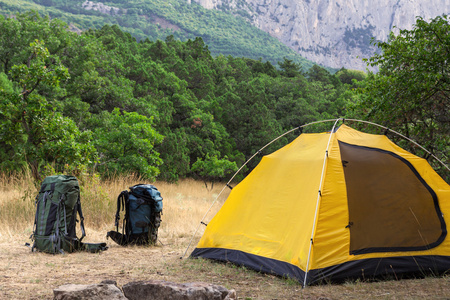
x: 333, y: 33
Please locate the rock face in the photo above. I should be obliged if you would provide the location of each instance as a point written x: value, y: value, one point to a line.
x: 334, y: 33
x: 156, y: 289
x: 98, y: 6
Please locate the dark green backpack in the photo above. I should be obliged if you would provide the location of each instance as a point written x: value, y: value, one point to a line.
x: 57, y: 206
x: 143, y: 208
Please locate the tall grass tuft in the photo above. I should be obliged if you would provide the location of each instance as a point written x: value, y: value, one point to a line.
x: 18, y: 193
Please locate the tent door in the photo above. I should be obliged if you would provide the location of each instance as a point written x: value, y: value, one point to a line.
x: 391, y: 208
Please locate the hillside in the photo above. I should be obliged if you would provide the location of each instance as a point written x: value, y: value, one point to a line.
x: 156, y: 19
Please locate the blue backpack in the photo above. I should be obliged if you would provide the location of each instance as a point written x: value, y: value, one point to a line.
x: 143, y: 208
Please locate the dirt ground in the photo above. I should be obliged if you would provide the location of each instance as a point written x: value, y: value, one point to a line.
x: 27, y: 275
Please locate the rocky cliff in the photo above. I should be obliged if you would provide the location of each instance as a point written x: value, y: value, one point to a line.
x: 98, y: 6
x: 333, y: 33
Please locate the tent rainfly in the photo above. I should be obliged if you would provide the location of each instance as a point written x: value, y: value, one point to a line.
x: 333, y: 206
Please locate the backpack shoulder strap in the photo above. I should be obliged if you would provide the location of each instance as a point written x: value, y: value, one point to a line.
x: 121, y: 203
x: 80, y: 212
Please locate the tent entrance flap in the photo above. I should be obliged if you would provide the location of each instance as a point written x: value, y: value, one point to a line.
x: 391, y: 208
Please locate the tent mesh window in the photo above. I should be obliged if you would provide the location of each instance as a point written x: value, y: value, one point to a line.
x: 391, y: 208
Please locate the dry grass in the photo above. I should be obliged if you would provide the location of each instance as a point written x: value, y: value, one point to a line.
x: 185, y: 203
x: 27, y: 275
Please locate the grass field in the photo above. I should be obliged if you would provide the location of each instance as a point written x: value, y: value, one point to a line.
x: 27, y: 275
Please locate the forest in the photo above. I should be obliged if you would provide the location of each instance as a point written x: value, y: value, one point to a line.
x: 103, y: 102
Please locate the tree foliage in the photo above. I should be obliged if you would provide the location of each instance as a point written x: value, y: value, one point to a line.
x: 411, y: 92
x: 125, y: 144
x: 107, y: 102
x: 32, y: 133
x: 104, y: 102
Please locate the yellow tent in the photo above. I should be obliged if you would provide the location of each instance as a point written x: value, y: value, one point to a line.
x: 335, y: 205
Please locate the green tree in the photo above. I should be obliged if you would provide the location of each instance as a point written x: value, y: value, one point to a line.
x: 213, y: 169
x: 125, y: 142
x: 318, y: 73
x: 290, y: 68
x: 31, y: 132
x: 411, y: 91
x: 258, y: 66
x: 98, y: 74
x: 11, y: 42
x: 249, y: 117
x: 19, y: 32
x: 348, y: 76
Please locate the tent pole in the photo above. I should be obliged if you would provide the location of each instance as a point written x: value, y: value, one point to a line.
x: 319, y: 195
